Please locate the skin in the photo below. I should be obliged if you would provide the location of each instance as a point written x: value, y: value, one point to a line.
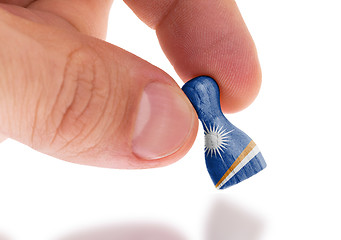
x: 53, y: 52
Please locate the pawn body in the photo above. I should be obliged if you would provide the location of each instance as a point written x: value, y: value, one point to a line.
x: 231, y: 155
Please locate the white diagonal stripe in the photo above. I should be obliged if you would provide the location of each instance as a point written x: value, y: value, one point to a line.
x: 242, y: 163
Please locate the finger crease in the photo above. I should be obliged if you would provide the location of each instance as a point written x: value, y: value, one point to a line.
x: 167, y: 13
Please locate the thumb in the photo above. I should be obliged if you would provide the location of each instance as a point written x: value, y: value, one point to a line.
x: 80, y: 99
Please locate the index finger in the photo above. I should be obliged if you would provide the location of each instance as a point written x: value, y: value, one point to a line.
x: 206, y: 38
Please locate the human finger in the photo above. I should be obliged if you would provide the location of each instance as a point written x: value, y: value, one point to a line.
x: 86, y: 16
x: 83, y: 100
x: 206, y: 38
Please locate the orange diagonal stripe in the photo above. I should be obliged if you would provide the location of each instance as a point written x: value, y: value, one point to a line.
x: 244, y: 153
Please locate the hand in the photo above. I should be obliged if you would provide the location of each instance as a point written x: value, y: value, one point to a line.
x: 66, y: 93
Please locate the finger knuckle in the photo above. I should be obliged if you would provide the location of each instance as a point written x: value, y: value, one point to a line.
x: 82, y: 99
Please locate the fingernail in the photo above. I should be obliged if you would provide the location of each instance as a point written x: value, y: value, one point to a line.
x: 165, y: 120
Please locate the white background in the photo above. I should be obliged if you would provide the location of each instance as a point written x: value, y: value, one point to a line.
x: 295, y: 121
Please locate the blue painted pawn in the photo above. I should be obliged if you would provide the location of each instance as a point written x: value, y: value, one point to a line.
x: 231, y: 156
